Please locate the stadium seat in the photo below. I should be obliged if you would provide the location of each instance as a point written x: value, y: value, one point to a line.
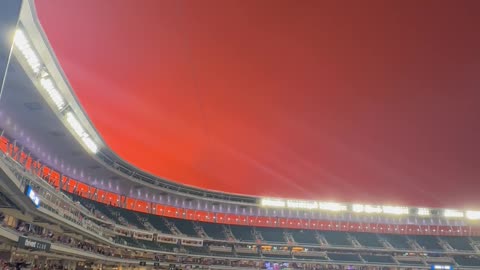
x: 130, y: 216
x: 277, y: 254
x: 467, y: 260
x: 185, y: 226
x: 214, y: 230
x: 336, y: 238
x: 310, y: 255
x: 196, y: 250
x: 458, y: 243
x: 368, y: 240
x: 159, y: 224
x: 428, y: 242
x: 94, y: 206
x: 221, y: 251
x: 124, y: 240
x: 272, y: 235
x: 242, y: 233
x: 5, y: 202
x: 397, y: 241
x: 411, y: 263
x: 384, y: 259
x: 148, y: 244
x: 304, y: 237
x: 344, y: 257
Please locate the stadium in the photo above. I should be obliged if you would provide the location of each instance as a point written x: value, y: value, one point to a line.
x: 69, y: 201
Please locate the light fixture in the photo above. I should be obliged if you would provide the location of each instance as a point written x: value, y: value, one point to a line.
x: 91, y: 145
x: 473, y: 215
x: 423, y: 212
x: 80, y: 131
x: 52, y: 91
x: 453, y: 213
x: 373, y: 209
x: 23, y: 44
x: 272, y: 202
x: 331, y: 206
x: 395, y: 210
x: 358, y: 208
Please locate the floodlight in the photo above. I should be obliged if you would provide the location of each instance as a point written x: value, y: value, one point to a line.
x: 23, y: 44
x: 473, y: 215
x: 331, y: 206
x: 423, y: 212
x: 453, y: 213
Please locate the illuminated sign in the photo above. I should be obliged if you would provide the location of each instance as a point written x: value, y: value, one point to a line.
x: 395, y: 210
x: 32, y: 244
x: 302, y: 204
x: 442, y: 267
x: 272, y: 203
x: 32, y: 196
x: 331, y: 206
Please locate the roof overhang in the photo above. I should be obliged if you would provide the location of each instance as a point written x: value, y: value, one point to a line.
x: 31, y: 117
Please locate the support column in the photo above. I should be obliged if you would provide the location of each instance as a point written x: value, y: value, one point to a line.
x: 9, y: 16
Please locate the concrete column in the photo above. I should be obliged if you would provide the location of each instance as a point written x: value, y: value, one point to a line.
x: 9, y: 15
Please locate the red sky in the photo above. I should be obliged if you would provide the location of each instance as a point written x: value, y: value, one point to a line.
x: 373, y: 101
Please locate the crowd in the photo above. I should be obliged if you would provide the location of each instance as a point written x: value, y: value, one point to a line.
x: 28, y: 229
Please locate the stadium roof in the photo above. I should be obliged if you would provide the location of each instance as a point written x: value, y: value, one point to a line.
x: 374, y: 103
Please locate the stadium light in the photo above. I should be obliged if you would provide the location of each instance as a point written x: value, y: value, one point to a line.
x: 272, y: 203
x: 23, y: 44
x: 423, y: 212
x: 395, y: 210
x: 358, y: 208
x: 330, y: 206
x: 373, y: 209
x: 302, y: 204
x: 453, y: 213
x: 92, y: 146
x: 26, y: 49
x: 77, y: 127
x: 473, y: 215
x: 75, y: 124
x: 52, y: 91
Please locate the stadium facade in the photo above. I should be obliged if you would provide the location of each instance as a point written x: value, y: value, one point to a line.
x: 68, y: 201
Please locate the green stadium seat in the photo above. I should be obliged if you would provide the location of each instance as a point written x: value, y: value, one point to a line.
x: 214, y: 230
x: 397, y: 241
x: 242, y: 233
x: 368, y: 240
x: 428, y: 242
x: 468, y: 260
x: 304, y: 237
x: 272, y: 235
x: 344, y: 257
x: 458, y: 243
x: 336, y: 238
x: 382, y: 259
